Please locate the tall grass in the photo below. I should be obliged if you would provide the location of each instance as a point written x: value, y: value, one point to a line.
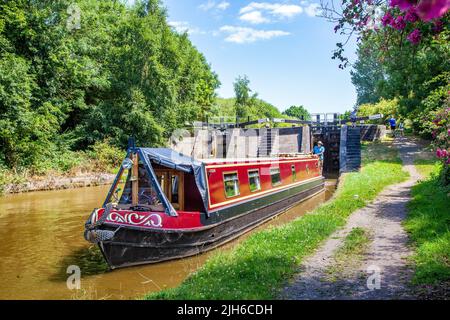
x: 259, y: 266
x: 428, y: 224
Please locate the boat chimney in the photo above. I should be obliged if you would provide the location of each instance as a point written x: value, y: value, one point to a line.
x: 131, y: 143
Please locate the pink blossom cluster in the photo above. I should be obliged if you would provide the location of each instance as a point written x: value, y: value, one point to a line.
x: 426, y: 9
x: 413, y: 11
x: 441, y: 135
x: 443, y: 154
x: 415, y: 36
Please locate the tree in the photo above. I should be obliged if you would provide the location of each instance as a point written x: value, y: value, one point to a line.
x: 123, y: 70
x: 298, y: 112
x: 244, y: 98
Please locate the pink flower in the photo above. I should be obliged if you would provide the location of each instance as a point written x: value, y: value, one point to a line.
x: 448, y: 132
x: 402, y: 4
x: 430, y: 9
x: 411, y: 15
x: 387, y: 19
x: 438, y: 153
x: 399, y: 23
x: 415, y: 36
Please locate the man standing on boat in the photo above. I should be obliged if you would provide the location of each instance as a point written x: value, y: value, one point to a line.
x: 319, y: 150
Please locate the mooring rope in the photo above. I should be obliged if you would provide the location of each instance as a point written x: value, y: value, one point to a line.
x: 94, y: 235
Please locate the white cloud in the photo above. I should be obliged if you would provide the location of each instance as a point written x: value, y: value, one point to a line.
x: 207, y: 5
x: 247, y: 35
x: 312, y: 9
x: 211, y: 4
x: 184, y: 26
x: 264, y: 10
x: 287, y: 11
x: 223, y: 5
x: 254, y: 17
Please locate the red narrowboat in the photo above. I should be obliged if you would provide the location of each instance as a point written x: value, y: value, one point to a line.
x: 164, y: 205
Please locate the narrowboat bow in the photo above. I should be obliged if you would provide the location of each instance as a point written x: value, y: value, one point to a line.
x: 164, y: 205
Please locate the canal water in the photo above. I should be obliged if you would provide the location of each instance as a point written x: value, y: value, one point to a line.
x: 41, y: 234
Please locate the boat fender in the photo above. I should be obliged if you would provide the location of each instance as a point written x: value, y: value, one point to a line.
x: 96, y: 236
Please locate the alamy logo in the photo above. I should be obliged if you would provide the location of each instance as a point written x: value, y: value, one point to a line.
x: 374, y: 280
x: 74, y: 280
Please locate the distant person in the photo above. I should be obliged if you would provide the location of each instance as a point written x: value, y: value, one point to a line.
x: 319, y: 150
x: 392, y: 123
x: 401, y: 128
x: 353, y: 118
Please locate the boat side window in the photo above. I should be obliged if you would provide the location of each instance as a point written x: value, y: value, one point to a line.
x: 253, y: 180
x: 294, y: 173
x: 231, y: 184
x: 275, y: 176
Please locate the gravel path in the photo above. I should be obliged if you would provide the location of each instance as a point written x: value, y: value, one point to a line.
x: 385, y: 256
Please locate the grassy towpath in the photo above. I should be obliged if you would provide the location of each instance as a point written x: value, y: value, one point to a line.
x: 259, y: 266
x: 386, y: 255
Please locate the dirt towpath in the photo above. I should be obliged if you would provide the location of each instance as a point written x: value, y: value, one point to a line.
x: 385, y: 256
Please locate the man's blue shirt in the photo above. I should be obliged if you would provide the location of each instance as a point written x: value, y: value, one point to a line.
x: 392, y: 122
x: 319, y: 150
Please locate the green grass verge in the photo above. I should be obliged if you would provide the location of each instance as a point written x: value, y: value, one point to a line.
x: 428, y: 224
x: 258, y: 267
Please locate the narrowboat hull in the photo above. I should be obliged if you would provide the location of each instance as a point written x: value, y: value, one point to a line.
x: 135, y: 245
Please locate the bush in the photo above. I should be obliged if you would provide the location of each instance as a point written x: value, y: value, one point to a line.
x: 385, y: 107
x: 105, y: 156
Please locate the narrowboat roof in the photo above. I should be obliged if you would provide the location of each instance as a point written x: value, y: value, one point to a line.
x: 178, y: 161
x: 256, y: 160
x: 172, y: 159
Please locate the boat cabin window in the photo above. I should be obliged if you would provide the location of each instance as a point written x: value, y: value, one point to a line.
x: 146, y: 194
x: 231, y: 184
x: 253, y: 180
x: 294, y: 173
x: 275, y: 176
x: 172, y: 184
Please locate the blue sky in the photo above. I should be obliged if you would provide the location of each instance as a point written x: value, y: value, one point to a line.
x: 283, y: 48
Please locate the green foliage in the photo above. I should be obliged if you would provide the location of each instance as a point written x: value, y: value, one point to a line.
x: 244, y: 99
x: 123, y: 72
x: 258, y: 109
x: 106, y: 156
x: 385, y: 107
x: 428, y: 224
x: 297, y: 112
x: 417, y: 76
x: 258, y: 267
